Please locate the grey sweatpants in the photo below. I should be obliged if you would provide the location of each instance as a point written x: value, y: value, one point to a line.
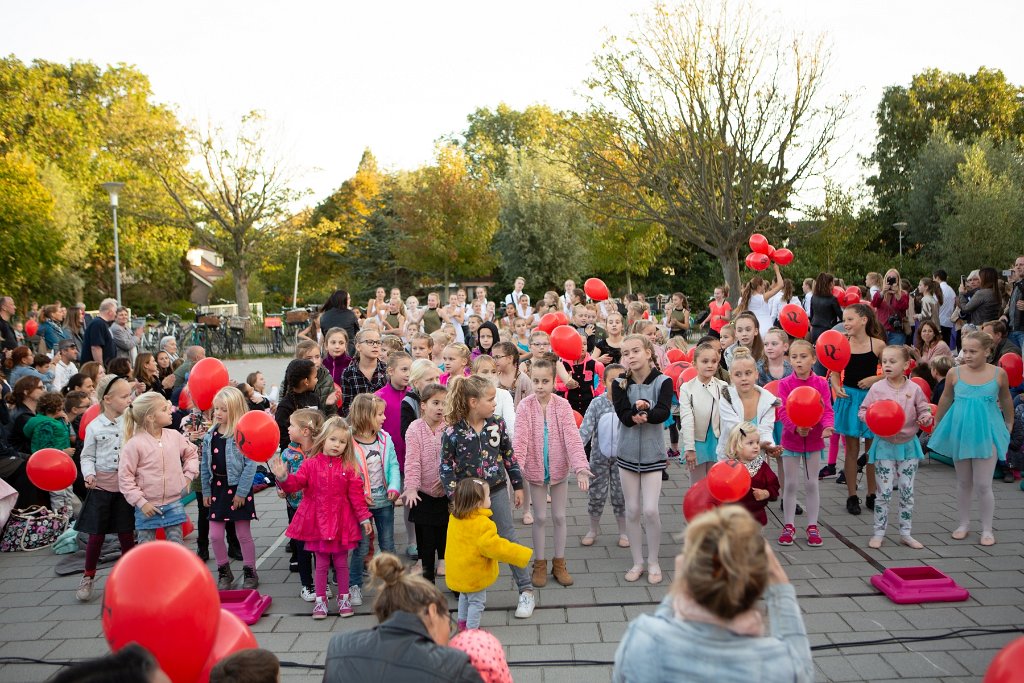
x: 501, y: 515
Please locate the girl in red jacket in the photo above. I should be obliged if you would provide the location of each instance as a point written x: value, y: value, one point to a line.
x: 332, y: 508
x: 547, y: 442
x: 744, y: 445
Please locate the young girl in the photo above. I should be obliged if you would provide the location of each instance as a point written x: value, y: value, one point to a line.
x: 803, y: 447
x: 105, y: 511
x: 324, y: 389
x: 382, y: 481
x: 866, y: 343
x: 476, y: 444
x: 744, y: 445
x: 774, y: 365
x: 548, y: 444
x: 584, y: 373
x: 643, y: 401
x: 896, y: 457
x: 393, y: 394
x: 608, y: 349
x: 157, y: 464
x: 600, y: 428
x: 422, y: 372
x: 366, y: 374
x: 303, y: 427
x: 327, y: 522
x: 423, y: 495
x: 971, y: 432
x: 504, y: 406
x: 748, y: 336
x: 700, y: 416
x: 227, y: 488
x: 456, y: 362
x: 335, y: 353
x: 727, y: 336
x: 744, y: 401
x: 650, y: 329
x: 521, y: 334
x: 474, y: 550
x: 296, y: 392
x: 258, y: 400
x: 510, y: 378
x: 755, y: 298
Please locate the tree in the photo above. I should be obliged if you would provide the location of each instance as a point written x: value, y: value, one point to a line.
x: 929, y: 178
x: 446, y: 218
x: 494, y: 139
x: 543, y: 236
x: 28, y: 244
x: 237, y: 199
x: 966, y: 106
x: 712, y: 124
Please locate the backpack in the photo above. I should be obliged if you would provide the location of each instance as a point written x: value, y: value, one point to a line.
x: 608, y: 427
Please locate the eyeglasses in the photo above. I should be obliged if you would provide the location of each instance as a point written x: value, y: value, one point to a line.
x: 498, y: 357
x: 371, y: 342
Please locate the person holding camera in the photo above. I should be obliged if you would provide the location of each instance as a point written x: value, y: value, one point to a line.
x: 890, y: 304
x: 980, y: 300
x: 1014, y: 313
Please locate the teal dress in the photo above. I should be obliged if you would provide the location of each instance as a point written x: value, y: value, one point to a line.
x: 707, y: 450
x: 974, y: 424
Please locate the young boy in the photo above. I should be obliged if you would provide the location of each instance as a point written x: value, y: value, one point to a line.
x: 49, y: 429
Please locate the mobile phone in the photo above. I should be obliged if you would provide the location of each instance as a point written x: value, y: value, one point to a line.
x: 1006, y: 273
x: 963, y: 280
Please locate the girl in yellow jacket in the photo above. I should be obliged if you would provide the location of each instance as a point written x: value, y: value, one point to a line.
x: 474, y: 549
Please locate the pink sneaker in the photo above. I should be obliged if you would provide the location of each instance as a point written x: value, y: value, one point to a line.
x: 320, y: 609
x: 813, y: 537
x: 345, y: 606
x: 786, y: 537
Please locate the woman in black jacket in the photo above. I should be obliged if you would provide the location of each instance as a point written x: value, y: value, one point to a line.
x: 409, y: 644
x: 336, y: 313
x: 825, y: 309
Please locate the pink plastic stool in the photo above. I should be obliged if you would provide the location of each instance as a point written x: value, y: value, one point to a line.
x: 248, y: 605
x: 908, y: 585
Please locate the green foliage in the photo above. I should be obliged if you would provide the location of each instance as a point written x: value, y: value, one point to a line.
x: 494, y: 139
x: 29, y: 245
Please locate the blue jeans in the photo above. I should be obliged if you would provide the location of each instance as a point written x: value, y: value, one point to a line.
x: 1018, y: 339
x: 471, y: 608
x: 895, y: 338
x: 384, y: 521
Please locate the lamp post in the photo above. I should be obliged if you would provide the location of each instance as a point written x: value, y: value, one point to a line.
x: 901, y: 226
x: 114, y: 189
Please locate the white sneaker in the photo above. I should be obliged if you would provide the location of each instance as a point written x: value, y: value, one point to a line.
x: 84, y: 591
x: 307, y: 593
x: 526, y: 605
x: 355, y: 594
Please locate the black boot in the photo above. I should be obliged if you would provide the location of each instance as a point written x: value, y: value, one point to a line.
x: 249, y: 578
x: 226, y: 577
x: 853, y: 505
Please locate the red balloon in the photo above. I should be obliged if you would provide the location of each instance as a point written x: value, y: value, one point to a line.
x: 688, y: 354
x: 794, y: 321
x: 186, y: 528
x: 596, y: 289
x: 759, y: 244
x: 1006, y: 667
x: 675, y: 355
x: 885, y: 418
x: 772, y: 387
x: 688, y: 374
x: 804, y: 407
x: 162, y: 596
x: 548, y: 322
x: 728, y: 481
x: 783, y: 257
x: 935, y: 411
x: 839, y: 293
x: 88, y: 416
x: 757, y: 261
x: 257, y: 435
x: 184, y: 399
x: 232, y: 636
x: 675, y: 372
x: 576, y: 416
x: 833, y: 350
x: 698, y: 500
x: 51, y: 469
x: 852, y: 295
x: 560, y: 318
x: 923, y: 383
x: 207, y: 377
x: 566, y: 342
x: 770, y: 253
x: 31, y: 327
x: 1014, y: 367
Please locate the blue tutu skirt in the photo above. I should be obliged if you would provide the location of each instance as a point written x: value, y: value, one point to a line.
x: 882, y: 449
x: 846, y: 421
x: 777, y: 433
x: 707, y: 449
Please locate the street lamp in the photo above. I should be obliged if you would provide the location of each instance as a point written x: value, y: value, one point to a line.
x: 114, y: 189
x: 900, y: 226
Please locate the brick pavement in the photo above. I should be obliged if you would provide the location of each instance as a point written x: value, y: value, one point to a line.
x: 40, y: 618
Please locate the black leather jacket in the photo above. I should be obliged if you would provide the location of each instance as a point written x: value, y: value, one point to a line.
x: 398, y: 651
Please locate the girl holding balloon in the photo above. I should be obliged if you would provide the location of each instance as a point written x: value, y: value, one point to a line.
x: 850, y: 387
x: 156, y: 465
x: 894, y: 410
x: 744, y: 445
x: 803, y: 439
x: 699, y: 413
x: 971, y: 432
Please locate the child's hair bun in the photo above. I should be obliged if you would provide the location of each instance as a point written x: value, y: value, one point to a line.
x: 387, y: 568
x: 741, y: 352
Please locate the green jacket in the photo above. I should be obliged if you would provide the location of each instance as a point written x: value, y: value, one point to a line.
x: 323, y: 390
x: 48, y: 432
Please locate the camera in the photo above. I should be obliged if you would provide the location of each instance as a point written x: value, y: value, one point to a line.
x: 890, y: 281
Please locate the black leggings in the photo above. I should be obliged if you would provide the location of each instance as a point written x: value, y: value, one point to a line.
x: 430, y: 540
x: 302, y: 556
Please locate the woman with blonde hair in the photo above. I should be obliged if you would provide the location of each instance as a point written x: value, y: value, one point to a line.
x: 724, y: 569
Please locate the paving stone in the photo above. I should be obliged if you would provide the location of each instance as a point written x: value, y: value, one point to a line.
x: 551, y: 634
x: 918, y: 663
x: 938, y: 617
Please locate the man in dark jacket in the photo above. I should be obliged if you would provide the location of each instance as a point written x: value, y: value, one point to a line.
x: 401, y: 650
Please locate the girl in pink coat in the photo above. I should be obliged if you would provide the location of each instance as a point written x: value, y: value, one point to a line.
x: 332, y: 509
x: 547, y: 444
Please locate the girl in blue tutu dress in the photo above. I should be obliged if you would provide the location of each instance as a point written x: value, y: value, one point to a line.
x: 866, y: 346
x: 896, y: 457
x: 974, y: 421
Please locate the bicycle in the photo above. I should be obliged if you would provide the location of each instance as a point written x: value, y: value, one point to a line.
x: 273, y: 322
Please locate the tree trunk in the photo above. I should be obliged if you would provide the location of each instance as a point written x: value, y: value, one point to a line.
x: 731, y: 271
x: 445, y: 302
x: 629, y: 282
x: 241, y: 290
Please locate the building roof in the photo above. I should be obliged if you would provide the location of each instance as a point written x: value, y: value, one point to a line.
x: 206, y: 272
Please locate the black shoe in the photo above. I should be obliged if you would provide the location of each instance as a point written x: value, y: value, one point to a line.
x: 827, y: 472
x: 1008, y: 476
x: 869, y: 501
x: 250, y: 579
x: 799, y: 510
x: 225, y: 577
x: 853, y: 505
x: 234, y: 552
x: 293, y: 566
x: 841, y: 479
x: 204, y: 554
x: 290, y: 547
x: 664, y: 475
x: 862, y: 461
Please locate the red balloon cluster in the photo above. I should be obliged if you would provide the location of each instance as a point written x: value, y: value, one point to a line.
x: 232, y: 636
x: 680, y: 356
x: 885, y: 418
x: 698, y: 500
x: 549, y: 321
x: 257, y: 435
x: 763, y: 254
x: 51, y: 469
x: 833, y: 350
x: 596, y: 289
x: 180, y: 623
x: 207, y: 377
x: 680, y: 372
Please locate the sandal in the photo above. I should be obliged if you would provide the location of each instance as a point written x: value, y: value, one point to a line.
x: 987, y: 539
x: 959, y: 534
x: 623, y: 541
x: 588, y: 540
x: 527, y: 517
x: 654, y: 576
x: 876, y: 542
x: 911, y: 542
x: 634, y: 574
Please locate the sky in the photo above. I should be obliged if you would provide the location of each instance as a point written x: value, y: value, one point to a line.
x: 334, y: 78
